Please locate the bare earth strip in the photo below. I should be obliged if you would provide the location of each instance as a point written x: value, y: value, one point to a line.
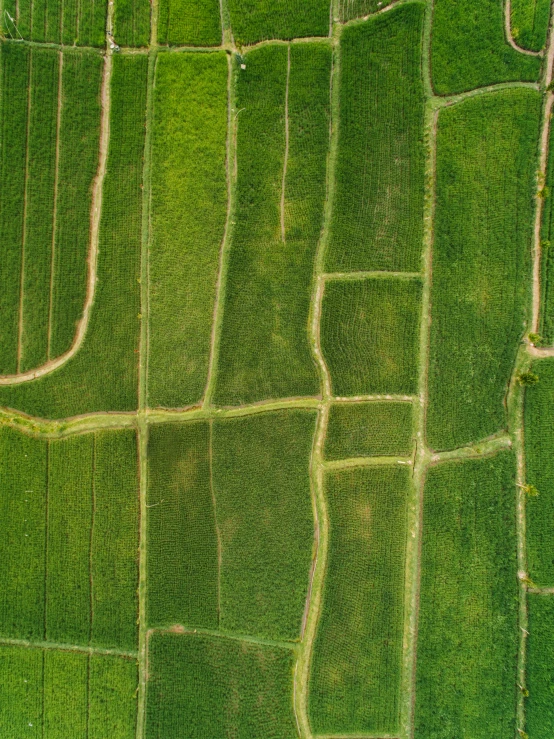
x: 65, y: 647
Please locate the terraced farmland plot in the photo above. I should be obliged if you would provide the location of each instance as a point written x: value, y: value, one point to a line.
x: 276, y: 380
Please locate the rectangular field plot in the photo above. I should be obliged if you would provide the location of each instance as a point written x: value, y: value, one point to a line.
x: 468, y: 624
x: 103, y: 375
x: 265, y: 351
x: 131, y: 22
x: 481, y: 260
x: 258, y: 20
x: 529, y: 23
x: 469, y: 48
x: 369, y: 335
x: 218, y: 687
x: 355, y: 683
x: 69, y: 537
x: 72, y: 22
x: 539, y: 707
x: 377, y: 220
x: 539, y: 462
x: 62, y: 695
x: 47, y: 166
x: 189, y: 204
x: 189, y: 22
x: 369, y: 429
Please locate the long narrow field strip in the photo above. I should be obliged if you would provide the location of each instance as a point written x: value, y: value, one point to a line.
x: 112, y: 337
x: 369, y: 429
x: 69, y: 538
x: 377, y: 221
x: 189, y: 205
x: 264, y: 348
x: 481, y: 260
x: 131, y: 22
x: 469, y: 48
x: 218, y: 687
x: 257, y: 20
x: 189, y: 22
x: 351, y: 9
x: 369, y: 335
x: 59, y: 694
x: 539, y: 705
x: 529, y: 23
x: 546, y: 310
x: 355, y: 682
x: 468, y: 635
x: 71, y: 22
x: 539, y: 461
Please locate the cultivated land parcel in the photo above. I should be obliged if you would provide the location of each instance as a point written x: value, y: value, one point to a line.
x: 276, y: 369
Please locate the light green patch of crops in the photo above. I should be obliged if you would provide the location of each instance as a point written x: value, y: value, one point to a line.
x: 468, y: 625
x: 355, y: 683
x: 539, y: 708
x: 350, y: 9
x: 71, y: 22
x: 131, y: 22
x: 469, y: 48
x: 481, y: 261
x: 369, y: 335
x: 22, y: 534
x: 182, y: 548
x: 539, y: 462
x: 104, y: 373
x: 189, y: 22
x: 529, y: 23
x: 256, y: 20
x: 189, y: 201
x: 264, y: 345
x: 56, y: 694
x: 218, y: 687
x: 377, y: 220
x: 367, y: 429
x: 264, y: 514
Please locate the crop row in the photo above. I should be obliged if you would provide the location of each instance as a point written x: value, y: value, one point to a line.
x: 68, y: 538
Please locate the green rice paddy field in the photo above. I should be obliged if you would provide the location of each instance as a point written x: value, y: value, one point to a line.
x: 276, y: 369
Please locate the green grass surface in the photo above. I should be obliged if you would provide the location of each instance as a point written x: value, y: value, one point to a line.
x: 469, y: 48
x: 264, y: 514
x: 256, y: 20
x: 111, y: 344
x: 189, y: 22
x: 218, y: 687
x: 269, y: 280
x: 368, y: 429
x: 72, y: 22
x: 539, y: 463
x: 481, y: 260
x: 189, y: 205
x: 377, y: 220
x: 58, y: 695
x: 539, y: 708
x: 546, y: 308
x: 131, y: 23
x: 182, y: 547
x: 529, y: 22
x: 468, y: 624
x: 355, y: 683
x: 369, y: 335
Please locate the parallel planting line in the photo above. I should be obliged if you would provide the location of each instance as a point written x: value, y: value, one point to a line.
x: 378, y: 274
x: 55, y: 204
x: 349, y: 463
x: 50, y: 645
x: 224, y: 635
x: 479, y: 450
x: 286, y: 157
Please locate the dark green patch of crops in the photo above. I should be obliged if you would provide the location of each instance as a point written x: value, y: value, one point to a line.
x: 481, y: 260
x: 190, y: 22
x: 111, y: 344
x: 368, y: 429
x: 377, y: 220
x: 539, y: 462
x: 131, y: 23
x: 56, y: 694
x: 469, y: 48
x: 264, y: 514
x: 189, y: 205
x: 369, y: 335
x: 355, y: 683
x: 71, y: 22
x: 264, y: 345
x: 546, y: 317
x: 218, y: 687
x: 468, y: 625
x: 256, y: 20
x: 182, y: 547
x: 539, y: 708
x: 529, y: 23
